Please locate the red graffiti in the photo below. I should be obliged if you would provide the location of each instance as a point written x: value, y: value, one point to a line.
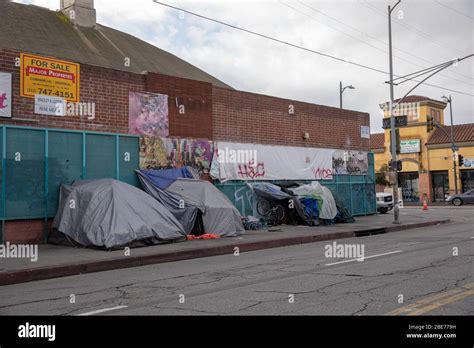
x: 323, y: 173
x: 252, y: 171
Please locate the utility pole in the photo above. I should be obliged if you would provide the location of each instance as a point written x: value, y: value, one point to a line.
x: 453, y: 145
x: 393, y: 131
x: 341, y: 91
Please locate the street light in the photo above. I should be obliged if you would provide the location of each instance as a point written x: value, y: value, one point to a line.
x: 393, y: 130
x: 453, y: 145
x: 341, y: 91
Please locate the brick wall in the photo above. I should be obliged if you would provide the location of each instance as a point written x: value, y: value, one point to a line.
x: 252, y: 118
x: 194, y: 96
x: 107, y: 88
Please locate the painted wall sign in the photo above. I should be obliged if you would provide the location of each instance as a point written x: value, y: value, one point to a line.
x: 48, y: 105
x: 50, y: 77
x: 410, y: 146
x: 5, y: 95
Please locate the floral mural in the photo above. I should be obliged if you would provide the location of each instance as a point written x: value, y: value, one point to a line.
x: 148, y: 114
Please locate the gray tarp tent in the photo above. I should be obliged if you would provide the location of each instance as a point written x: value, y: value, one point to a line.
x: 187, y: 215
x: 218, y: 213
x: 111, y: 214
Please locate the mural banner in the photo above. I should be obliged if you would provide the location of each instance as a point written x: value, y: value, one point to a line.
x: 5, y: 95
x: 169, y: 153
x: 233, y: 161
x: 148, y: 114
x: 350, y: 163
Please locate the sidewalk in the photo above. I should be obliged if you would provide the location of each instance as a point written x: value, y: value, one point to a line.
x: 56, y: 261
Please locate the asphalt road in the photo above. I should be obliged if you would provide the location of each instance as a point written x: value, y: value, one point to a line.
x: 415, y: 267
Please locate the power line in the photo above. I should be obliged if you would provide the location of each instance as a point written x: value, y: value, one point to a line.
x: 410, y: 27
x: 423, y: 35
x: 454, y: 10
x: 298, y: 46
x: 372, y: 37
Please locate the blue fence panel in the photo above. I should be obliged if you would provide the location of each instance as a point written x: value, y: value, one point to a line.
x: 101, y: 161
x: 64, y: 164
x: 129, y: 159
x: 25, y: 173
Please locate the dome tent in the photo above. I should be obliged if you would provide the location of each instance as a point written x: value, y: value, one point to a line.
x: 111, y: 214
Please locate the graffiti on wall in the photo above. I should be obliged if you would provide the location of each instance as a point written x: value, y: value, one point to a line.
x: 167, y: 153
x: 350, y: 163
x: 251, y: 170
x: 148, y: 114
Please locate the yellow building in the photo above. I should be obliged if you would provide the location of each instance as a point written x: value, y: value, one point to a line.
x: 427, y: 156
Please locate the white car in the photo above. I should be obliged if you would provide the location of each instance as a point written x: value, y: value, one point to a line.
x: 385, y: 202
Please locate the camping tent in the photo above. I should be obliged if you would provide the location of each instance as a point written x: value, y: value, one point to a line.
x: 112, y: 214
x: 218, y: 213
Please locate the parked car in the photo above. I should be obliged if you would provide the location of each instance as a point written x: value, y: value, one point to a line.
x: 462, y: 198
x: 385, y: 202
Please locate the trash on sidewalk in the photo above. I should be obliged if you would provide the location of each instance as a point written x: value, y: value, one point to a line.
x: 207, y: 236
x: 251, y: 223
x: 188, y: 199
x: 110, y: 214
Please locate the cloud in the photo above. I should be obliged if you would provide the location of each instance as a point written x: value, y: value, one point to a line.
x: 425, y: 33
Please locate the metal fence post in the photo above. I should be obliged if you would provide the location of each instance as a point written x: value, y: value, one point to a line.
x: 46, y: 185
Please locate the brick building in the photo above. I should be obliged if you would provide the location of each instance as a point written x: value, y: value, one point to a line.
x: 113, y: 64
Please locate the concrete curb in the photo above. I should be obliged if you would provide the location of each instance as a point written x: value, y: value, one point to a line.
x: 59, y: 271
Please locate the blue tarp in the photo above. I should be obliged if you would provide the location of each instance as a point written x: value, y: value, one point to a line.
x: 164, y: 178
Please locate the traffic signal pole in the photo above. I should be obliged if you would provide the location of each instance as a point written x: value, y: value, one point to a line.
x: 393, y: 130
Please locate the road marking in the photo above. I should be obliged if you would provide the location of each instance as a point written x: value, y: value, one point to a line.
x: 365, y: 258
x: 433, y: 302
x: 101, y: 311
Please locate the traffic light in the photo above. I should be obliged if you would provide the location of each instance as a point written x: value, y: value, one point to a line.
x: 461, y: 160
x: 396, y: 166
x: 430, y: 123
x: 399, y: 166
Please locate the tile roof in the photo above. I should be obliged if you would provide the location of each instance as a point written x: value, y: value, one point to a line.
x: 463, y: 133
x: 377, y: 141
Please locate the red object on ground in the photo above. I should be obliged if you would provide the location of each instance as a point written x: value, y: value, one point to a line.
x: 206, y: 236
x: 425, y: 205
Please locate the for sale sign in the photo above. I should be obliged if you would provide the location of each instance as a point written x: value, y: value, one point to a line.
x: 5, y: 95
x: 49, y: 77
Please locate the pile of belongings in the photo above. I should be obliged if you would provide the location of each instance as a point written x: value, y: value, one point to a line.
x: 276, y: 195
x: 110, y: 214
x: 318, y: 201
x: 251, y: 223
x: 193, y: 202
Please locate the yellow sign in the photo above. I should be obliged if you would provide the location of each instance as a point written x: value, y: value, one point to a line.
x: 52, y: 77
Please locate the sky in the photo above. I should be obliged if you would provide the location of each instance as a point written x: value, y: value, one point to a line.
x: 425, y: 33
